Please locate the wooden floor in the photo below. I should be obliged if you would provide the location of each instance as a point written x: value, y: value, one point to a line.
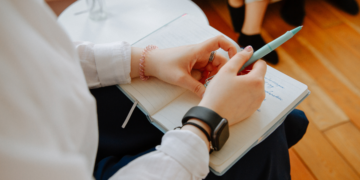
x: 325, y: 55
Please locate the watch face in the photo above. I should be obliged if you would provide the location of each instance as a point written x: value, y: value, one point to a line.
x: 220, y: 135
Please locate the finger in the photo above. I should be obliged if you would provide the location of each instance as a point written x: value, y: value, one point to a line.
x: 193, y: 85
x: 217, y: 42
x: 209, y: 67
x: 218, y: 63
x: 204, y: 76
x: 236, y: 62
x: 259, y: 69
x: 246, y: 70
x: 219, y: 60
x: 196, y: 74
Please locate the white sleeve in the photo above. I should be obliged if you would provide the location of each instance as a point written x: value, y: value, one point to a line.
x: 105, y: 64
x: 181, y: 155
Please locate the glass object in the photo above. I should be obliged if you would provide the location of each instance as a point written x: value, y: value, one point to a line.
x: 96, y: 9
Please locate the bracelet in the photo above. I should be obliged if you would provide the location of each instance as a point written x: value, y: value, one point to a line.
x: 142, y: 61
x: 199, y: 127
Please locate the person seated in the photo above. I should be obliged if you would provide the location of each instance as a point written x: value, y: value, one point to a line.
x: 51, y: 124
x: 293, y: 11
x: 247, y: 20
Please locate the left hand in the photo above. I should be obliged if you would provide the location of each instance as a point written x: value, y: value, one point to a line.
x: 176, y: 65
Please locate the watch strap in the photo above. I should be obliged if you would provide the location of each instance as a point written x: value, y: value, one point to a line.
x: 200, y: 128
x: 204, y: 114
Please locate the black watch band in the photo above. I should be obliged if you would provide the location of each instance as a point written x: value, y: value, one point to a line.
x: 208, y: 116
x: 219, y: 126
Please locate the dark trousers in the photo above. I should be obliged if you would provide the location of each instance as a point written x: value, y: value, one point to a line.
x: 118, y: 146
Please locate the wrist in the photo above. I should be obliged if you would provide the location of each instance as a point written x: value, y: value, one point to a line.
x: 150, y: 63
x: 197, y: 131
x: 218, y: 126
x: 135, y: 60
x: 211, y: 106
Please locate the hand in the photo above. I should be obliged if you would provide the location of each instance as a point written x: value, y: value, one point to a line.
x: 176, y: 65
x: 236, y: 97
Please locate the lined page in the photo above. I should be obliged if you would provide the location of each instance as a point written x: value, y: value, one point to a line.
x: 154, y: 94
x: 282, y: 93
x: 171, y: 115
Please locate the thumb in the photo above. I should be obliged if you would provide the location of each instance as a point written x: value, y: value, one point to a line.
x: 239, y: 59
x: 193, y: 85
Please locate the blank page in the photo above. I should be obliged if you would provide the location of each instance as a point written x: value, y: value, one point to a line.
x: 152, y: 94
x: 171, y: 115
x: 182, y: 31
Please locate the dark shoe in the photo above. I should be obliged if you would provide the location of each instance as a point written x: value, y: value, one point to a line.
x: 349, y: 6
x: 256, y: 41
x: 237, y: 17
x: 293, y: 12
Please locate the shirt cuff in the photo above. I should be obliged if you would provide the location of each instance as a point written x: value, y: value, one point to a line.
x: 187, y: 149
x: 113, y: 63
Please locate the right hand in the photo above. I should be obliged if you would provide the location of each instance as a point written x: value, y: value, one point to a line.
x: 236, y: 97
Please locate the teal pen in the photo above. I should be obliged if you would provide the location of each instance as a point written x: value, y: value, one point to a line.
x: 263, y: 51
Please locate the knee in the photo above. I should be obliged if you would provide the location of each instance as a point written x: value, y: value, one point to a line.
x: 299, y: 117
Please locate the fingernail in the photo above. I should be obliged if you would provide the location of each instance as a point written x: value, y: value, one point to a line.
x: 248, y: 48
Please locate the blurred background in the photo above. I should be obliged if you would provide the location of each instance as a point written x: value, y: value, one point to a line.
x: 325, y: 55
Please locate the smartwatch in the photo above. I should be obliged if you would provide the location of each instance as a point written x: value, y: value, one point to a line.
x: 219, y: 126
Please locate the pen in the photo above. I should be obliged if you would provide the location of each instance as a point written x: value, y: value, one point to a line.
x: 263, y: 51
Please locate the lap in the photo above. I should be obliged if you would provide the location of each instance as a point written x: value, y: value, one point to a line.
x: 118, y: 146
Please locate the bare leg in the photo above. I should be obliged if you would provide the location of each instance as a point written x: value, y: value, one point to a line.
x: 254, y: 15
x: 250, y: 32
x: 236, y: 3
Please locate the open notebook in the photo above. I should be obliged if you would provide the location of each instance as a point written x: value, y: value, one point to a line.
x: 165, y: 104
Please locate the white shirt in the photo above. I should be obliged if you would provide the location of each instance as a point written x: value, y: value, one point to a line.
x: 48, y: 122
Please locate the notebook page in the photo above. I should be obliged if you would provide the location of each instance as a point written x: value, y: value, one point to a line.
x: 171, y: 115
x: 282, y: 93
x: 155, y: 94
x: 182, y: 31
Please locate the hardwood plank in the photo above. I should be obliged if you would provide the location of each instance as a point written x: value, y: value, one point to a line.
x: 336, y: 52
x: 320, y: 14
x: 221, y: 8
x: 299, y: 171
x: 351, y: 20
x: 346, y: 139
x: 345, y: 59
x: 323, y: 110
x: 329, y: 66
x: 347, y: 35
x: 347, y: 100
x: 215, y: 19
x: 322, y: 158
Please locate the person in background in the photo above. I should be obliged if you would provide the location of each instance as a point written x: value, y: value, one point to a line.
x: 247, y: 17
x: 293, y: 11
